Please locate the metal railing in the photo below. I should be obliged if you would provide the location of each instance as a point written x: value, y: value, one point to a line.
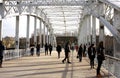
x: 17, y: 53
x: 112, y: 64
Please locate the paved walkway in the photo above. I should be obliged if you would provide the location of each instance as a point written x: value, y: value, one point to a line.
x: 48, y: 67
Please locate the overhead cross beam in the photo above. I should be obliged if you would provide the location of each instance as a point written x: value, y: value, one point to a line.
x: 111, y: 4
x: 47, y: 2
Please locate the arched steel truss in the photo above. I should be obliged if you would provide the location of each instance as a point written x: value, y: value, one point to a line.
x: 39, y: 9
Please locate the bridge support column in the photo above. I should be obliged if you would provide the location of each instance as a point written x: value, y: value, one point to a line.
x: 50, y: 36
x: 116, y: 23
x: 101, y: 32
x: 83, y: 31
x: 101, y: 12
x: 27, y: 35
x: 17, y: 36
x: 47, y: 35
x: 44, y: 34
x: 85, y: 34
x: 79, y: 33
x: 40, y: 31
x: 89, y: 29
x: 116, y: 44
x: 35, y: 33
x: 93, y: 30
x: 54, y: 41
x: 0, y: 29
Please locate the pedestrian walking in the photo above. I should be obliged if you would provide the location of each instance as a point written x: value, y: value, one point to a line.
x: 67, y: 51
x: 50, y: 48
x: 2, y: 48
x: 91, y: 53
x: 84, y: 50
x: 46, y: 49
x: 32, y: 50
x: 100, y: 57
x: 38, y: 50
x: 80, y: 52
x: 58, y: 49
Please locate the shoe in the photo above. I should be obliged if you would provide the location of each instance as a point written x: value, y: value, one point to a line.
x: 79, y: 60
x: 99, y: 76
x: 90, y: 67
x: 69, y: 62
x: 0, y: 66
x: 62, y: 61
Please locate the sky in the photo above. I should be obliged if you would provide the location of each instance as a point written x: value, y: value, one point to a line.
x: 8, y: 28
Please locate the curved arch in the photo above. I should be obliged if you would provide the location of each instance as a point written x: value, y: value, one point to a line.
x: 112, y: 29
x: 92, y: 10
x: 39, y: 17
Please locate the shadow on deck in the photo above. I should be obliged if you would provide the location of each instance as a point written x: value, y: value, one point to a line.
x: 49, y: 67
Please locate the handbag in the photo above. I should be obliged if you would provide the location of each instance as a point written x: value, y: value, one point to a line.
x: 77, y: 56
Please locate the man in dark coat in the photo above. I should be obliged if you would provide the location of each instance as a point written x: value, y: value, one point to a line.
x: 32, y: 49
x: 91, y: 53
x: 38, y: 50
x: 2, y: 48
x: 80, y: 52
x: 46, y: 49
x: 50, y: 48
x: 67, y: 51
x: 84, y: 49
x: 58, y: 48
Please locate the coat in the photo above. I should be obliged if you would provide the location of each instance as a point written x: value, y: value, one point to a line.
x: 58, y: 48
x: 91, y: 52
x: 2, y: 48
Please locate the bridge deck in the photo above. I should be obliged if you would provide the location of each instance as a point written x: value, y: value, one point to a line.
x: 48, y: 67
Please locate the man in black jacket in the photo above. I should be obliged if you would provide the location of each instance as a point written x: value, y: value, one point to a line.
x: 67, y: 51
x: 2, y: 48
x: 92, y: 53
x: 58, y: 48
x: 80, y: 52
x: 100, y: 57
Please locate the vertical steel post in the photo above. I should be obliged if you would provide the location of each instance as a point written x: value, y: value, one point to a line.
x: 0, y: 29
x: 44, y: 39
x: 47, y: 35
x: 40, y: 33
x: 35, y: 33
x: 27, y: 35
x: 93, y: 30
x: 17, y: 36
